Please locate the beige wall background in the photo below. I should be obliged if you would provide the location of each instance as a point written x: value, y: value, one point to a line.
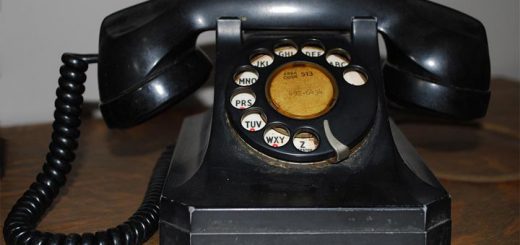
x: 34, y: 33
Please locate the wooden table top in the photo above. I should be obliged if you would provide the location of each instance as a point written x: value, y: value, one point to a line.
x: 477, y: 162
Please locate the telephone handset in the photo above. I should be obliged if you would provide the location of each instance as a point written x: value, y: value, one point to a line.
x: 298, y: 141
x: 437, y: 58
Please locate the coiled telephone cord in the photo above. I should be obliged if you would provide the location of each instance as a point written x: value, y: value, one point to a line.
x: 20, y: 224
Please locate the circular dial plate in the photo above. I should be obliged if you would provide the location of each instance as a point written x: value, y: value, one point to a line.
x: 281, y: 92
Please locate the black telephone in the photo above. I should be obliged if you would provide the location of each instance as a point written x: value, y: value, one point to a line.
x: 298, y: 148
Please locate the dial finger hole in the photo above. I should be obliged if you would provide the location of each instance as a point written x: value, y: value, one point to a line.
x: 306, y: 141
x: 253, y: 120
x: 276, y: 135
x: 355, y: 77
x: 243, y: 98
x: 313, y: 49
x: 338, y: 58
x: 261, y: 58
x: 246, y: 76
x: 286, y: 48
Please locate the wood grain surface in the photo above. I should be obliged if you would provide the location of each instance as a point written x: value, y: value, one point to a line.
x: 477, y: 162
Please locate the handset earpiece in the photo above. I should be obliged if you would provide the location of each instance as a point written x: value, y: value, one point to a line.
x: 172, y: 79
x: 437, y: 61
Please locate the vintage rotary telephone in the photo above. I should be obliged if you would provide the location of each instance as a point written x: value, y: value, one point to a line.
x: 298, y: 148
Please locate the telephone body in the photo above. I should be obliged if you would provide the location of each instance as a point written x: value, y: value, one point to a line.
x: 298, y: 147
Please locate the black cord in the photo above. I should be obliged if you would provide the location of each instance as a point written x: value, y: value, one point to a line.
x: 20, y: 224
